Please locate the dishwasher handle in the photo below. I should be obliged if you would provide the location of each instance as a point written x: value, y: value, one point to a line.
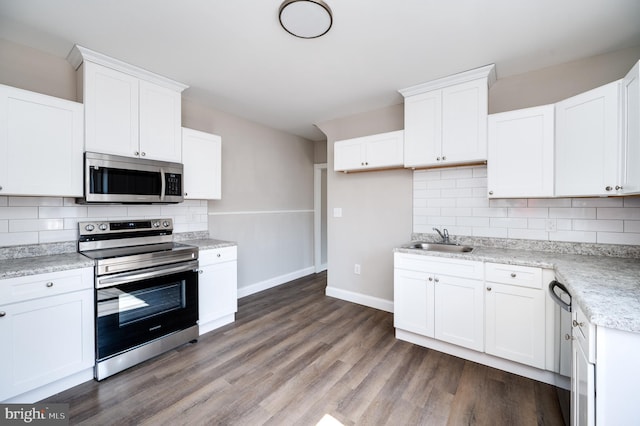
x: 556, y: 284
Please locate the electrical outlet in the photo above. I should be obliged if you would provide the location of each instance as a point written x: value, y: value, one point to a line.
x: 551, y: 225
x: 356, y: 269
x: 337, y: 212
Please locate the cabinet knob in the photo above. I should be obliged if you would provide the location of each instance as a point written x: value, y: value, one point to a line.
x: 430, y: 279
x: 567, y: 336
x: 200, y: 271
x: 488, y: 288
x: 143, y: 153
x: 513, y: 275
x: 608, y: 188
x: 2, y: 313
x: 444, y: 158
x: 437, y: 280
x: 49, y: 284
x: 490, y: 192
x: 218, y: 255
x: 577, y: 324
x: 0, y: 187
x: 438, y: 159
x: 136, y: 153
x: 618, y: 187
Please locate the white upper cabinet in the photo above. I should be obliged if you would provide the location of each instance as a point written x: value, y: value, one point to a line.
x: 201, y: 156
x: 380, y: 151
x: 587, y: 141
x: 630, y: 87
x: 520, y: 153
x: 40, y: 144
x: 129, y: 111
x: 446, y: 120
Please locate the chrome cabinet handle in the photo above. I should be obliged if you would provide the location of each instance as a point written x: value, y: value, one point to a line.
x: 444, y: 158
x: 513, y: 275
x: 218, y: 255
x: 567, y: 337
x: 488, y: 288
x: 136, y: 153
x: 2, y: 313
x: 577, y: 324
x: 438, y: 159
x: 430, y: 279
x: 490, y: 192
x: 618, y: 187
x: 437, y: 280
x: 200, y: 271
x: 608, y: 188
x: 144, y: 153
x: 0, y: 187
x: 49, y: 284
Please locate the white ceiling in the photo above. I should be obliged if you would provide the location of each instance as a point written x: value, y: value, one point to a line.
x: 235, y: 56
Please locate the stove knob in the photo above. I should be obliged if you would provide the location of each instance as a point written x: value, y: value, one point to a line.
x: 103, y: 227
x: 89, y: 227
x: 156, y: 224
x: 166, y: 223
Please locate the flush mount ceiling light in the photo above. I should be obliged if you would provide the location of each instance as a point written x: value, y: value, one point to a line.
x: 305, y: 18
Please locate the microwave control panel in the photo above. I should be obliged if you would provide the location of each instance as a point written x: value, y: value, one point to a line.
x: 173, y: 184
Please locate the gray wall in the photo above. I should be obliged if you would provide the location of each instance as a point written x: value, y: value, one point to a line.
x: 376, y: 212
x: 267, y: 197
x: 377, y: 205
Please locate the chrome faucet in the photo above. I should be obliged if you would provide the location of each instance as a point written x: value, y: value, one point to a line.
x: 444, y: 235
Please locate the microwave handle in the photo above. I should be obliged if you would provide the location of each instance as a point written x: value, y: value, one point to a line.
x: 162, y: 184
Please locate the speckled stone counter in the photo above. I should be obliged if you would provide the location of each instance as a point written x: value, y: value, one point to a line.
x: 23, y: 266
x: 208, y: 243
x: 606, y: 288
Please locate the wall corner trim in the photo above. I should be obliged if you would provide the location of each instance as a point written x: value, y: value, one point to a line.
x: 274, y: 282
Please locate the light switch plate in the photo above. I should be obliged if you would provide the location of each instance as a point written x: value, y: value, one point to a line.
x: 337, y: 212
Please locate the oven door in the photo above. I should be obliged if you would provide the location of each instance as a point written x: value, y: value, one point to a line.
x: 135, y: 308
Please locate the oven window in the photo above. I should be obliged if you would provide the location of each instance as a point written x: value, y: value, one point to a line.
x: 148, y: 302
x: 122, y: 181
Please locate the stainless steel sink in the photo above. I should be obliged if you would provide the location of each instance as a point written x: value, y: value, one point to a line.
x: 448, y: 248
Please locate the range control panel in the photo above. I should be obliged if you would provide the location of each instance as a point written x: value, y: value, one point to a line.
x: 129, y: 226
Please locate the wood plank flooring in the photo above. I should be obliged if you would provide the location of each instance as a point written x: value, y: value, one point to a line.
x: 295, y: 357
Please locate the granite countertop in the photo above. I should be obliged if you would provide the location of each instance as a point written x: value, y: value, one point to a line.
x: 607, y: 289
x: 209, y: 243
x: 23, y: 266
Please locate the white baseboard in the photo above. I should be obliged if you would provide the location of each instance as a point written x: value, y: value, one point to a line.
x: 46, y: 391
x: 274, y: 282
x: 361, y: 299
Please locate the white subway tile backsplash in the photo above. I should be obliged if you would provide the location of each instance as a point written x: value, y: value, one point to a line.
x: 613, y: 220
x: 508, y: 202
x: 573, y: 236
x: 597, y: 202
x: 631, y: 213
x: 33, y: 220
x: 572, y: 212
x: 527, y: 234
x: 549, y: 202
x: 598, y: 225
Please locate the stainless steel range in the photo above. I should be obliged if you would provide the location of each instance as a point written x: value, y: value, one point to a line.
x: 146, y: 289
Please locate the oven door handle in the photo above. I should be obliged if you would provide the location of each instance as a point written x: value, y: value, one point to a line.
x: 129, y: 277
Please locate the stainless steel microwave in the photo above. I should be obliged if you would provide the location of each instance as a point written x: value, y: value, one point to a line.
x: 113, y: 179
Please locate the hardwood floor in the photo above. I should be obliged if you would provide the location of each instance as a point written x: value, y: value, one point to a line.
x: 294, y: 357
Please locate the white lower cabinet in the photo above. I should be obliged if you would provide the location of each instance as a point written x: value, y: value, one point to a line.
x: 47, y: 333
x: 515, y: 314
x: 217, y: 288
x: 440, y: 298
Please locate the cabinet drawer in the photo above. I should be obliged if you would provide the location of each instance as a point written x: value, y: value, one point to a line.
x: 212, y: 256
x: 523, y: 276
x: 45, y: 285
x: 439, y: 265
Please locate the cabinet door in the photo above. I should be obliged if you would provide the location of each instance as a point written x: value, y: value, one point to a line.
x: 583, y: 390
x: 520, y: 162
x: 217, y: 291
x: 111, y: 108
x: 413, y: 302
x: 348, y: 155
x: 630, y: 180
x: 45, y: 340
x: 586, y: 153
x: 40, y: 144
x: 464, y: 122
x: 423, y: 129
x: 384, y: 150
x: 459, y: 311
x: 202, y: 159
x: 515, y: 321
x: 160, y: 131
